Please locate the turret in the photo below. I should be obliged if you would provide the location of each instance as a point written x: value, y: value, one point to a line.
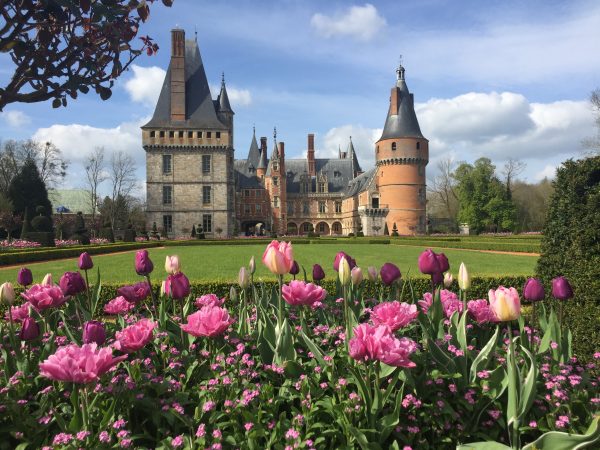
x: 224, y: 110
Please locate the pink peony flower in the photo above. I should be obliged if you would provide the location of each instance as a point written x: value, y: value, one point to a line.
x: 118, y: 305
x: 480, y: 311
x: 366, y: 343
x: 135, y: 337
x: 210, y: 321
x: 450, y: 302
x: 135, y: 293
x: 396, y: 352
x: 209, y: 300
x: 278, y: 257
x: 19, y: 313
x: 394, y: 314
x: 299, y: 293
x: 76, y: 364
x: 43, y: 296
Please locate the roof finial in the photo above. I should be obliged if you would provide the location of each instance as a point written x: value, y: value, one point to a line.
x: 400, y: 69
x: 275, y: 134
x: 195, y: 33
x: 350, y: 137
x: 254, y: 129
x: 223, y: 78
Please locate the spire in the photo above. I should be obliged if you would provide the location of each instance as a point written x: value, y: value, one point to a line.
x: 401, y: 120
x: 224, y: 105
x: 275, y: 151
x: 356, y: 169
x: 254, y: 155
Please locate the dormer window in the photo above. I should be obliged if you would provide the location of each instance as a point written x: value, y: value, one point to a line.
x: 337, y: 174
x: 275, y: 166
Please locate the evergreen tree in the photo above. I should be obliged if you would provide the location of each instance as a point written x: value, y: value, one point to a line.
x: 27, y: 190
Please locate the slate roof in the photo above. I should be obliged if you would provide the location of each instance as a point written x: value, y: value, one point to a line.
x: 223, y: 99
x: 254, y: 153
x: 244, y: 177
x: 402, y: 123
x: 199, y: 106
x: 360, y: 183
x: 338, y: 171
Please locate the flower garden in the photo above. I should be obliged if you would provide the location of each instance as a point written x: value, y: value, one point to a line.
x: 362, y: 363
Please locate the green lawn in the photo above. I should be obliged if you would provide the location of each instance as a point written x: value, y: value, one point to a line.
x: 223, y: 262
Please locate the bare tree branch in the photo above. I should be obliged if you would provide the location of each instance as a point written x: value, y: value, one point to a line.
x: 122, y: 176
x: 94, y: 170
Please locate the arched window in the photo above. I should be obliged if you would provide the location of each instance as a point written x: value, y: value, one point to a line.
x: 393, y: 146
x: 418, y: 145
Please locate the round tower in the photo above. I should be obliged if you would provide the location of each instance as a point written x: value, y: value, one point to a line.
x: 401, y: 154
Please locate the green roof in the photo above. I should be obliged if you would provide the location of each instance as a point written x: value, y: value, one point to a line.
x: 74, y: 199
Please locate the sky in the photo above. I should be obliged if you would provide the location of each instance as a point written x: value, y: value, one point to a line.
x: 500, y: 79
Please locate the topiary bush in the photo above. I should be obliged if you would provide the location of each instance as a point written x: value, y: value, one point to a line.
x: 571, y: 247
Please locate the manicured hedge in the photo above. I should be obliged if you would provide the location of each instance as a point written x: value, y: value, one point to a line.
x: 518, y: 247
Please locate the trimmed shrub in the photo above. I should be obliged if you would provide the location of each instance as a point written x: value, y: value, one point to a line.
x: 571, y: 247
x: 107, y: 233
x: 44, y: 238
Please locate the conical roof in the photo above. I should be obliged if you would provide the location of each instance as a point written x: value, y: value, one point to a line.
x: 352, y: 154
x: 254, y: 153
x: 223, y: 99
x: 403, y: 121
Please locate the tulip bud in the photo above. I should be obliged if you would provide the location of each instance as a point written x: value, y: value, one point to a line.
x: 163, y: 288
x: 356, y: 275
x: 172, y: 264
x: 318, y: 273
x: 561, y: 289
x: 143, y: 263
x: 295, y: 268
x: 389, y: 273
x: 232, y: 293
x: 93, y: 331
x: 85, y: 261
x: 252, y: 266
x: 24, y: 277
x: 7, y: 293
x: 372, y: 273
x: 72, y: 283
x: 243, y: 278
x: 533, y: 290
x: 177, y: 286
x: 448, y: 279
x: 30, y: 330
x: 47, y: 281
x: 464, y: 280
x: 344, y: 271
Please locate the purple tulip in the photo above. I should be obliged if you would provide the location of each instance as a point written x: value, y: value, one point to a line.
x: 318, y: 274
x: 561, y: 289
x: 428, y: 263
x: 24, y: 277
x: 72, y: 283
x: 533, y: 290
x: 338, y: 258
x: 30, y: 329
x: 442, y: 262
x: 135, y: 293
x: 93, y: 331
x: 389, y: 273
x: 177, y: 286
x: 143, y: 264
x: 295, y: 269
x: 437, y: 278
x: 85, y: 261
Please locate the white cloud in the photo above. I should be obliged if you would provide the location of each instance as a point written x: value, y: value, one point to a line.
x: 363, y: 139
x: 15, y: 119
x: 145, y: 84
x: 359, y: 22
x: 547, y: 172
x: 237, y: 97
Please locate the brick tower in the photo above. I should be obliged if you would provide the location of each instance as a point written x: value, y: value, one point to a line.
x: 401, y: 154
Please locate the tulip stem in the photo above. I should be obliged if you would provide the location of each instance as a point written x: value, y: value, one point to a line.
x: 152, y: 294
x: 280, y: 304
x: 87, y: 291
x: 533, y: 325
x: 515, y: 438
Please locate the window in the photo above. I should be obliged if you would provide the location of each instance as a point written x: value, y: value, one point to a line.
x: 181, y: 134
x: 190, y: 134
x: 205, y: 194
x: 218, y: 134
x: 199, y: 134
x: 275, y: 181
x: 337, y: 228
x: 161, y: 134
x: 167, y: 195
x: 167, y: 163
x: 321, y: 206
x: 207, y: 223
x: 168, y: 224
x: 208, y: 135
x: 275, y: 166
x: 321, y: 187
x: 171, y: 134
x: 152, y: 133
x: 338, y: 207
x: 418, y: 145
x: 375, y: 202
x: 305, y: 208
x: 377, y: 148
x: 393, y: 146
x: 276, y: 202
x: 421, y: 169
x: 257, y: 207
x: 421, y: 195
x: 246, y: 193
x: 290, y: 208
x: 321, y: 227
x: 337, y: 174
x: 306, y: 227
x: 247, y: 209
x: 205, y: 163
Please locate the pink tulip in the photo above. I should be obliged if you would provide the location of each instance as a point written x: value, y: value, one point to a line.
x: 394, y: 314
x: 338, y: 258
x: 505, y: 304
x: 135, y: 337
x: 19, y: 313
x: 396, y: 352
x: 118, y: 305
x: 480, y: 311
x: 172, y: 265
x: 209, y: 300
x: 44, y: 296
x: 210, y: 321
x: 299, y: 293
x: 279, y: 257
x: 76, y: 364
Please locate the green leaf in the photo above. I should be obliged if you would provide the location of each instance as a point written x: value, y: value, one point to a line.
x: 461, y: 333
x: 555, y: 440
x: 528, y: 388
x: 513, y: 384
x: 482, y: 359
x: 76, y: 420
x: 483, y: 446
x: 314, y: 349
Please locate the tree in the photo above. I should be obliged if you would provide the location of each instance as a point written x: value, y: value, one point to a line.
x: 512, y: 168
x: 27, y: 190
x: 94, y: 169
x: 62, y: 47
x: 122, y: 177
x: 531, y: 201
x: 593, y: 143
x: 9, y: 165
x: 442, y: 193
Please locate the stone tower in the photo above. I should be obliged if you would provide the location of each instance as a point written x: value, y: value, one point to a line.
x: 276, y: 185
x: 401, y: 154
x: 189, y: 150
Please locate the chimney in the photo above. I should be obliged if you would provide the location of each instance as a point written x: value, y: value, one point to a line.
x: 311, y: 155
x: 263, y: 144
x: 394, y: 100
x: 281, y: 149
x: 177, y: 75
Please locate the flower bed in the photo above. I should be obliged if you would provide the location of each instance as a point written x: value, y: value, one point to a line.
x: 299, y: 365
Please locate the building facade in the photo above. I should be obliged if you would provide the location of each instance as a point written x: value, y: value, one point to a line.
x: 194, y: 180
